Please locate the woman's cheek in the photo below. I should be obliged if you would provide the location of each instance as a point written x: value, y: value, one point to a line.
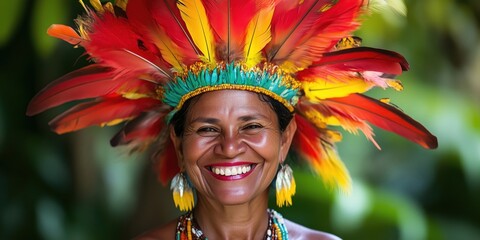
x: 196, y: 146
x: 265, y: 144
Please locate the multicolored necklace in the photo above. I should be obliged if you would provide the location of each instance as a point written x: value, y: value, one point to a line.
x: 188, y: 229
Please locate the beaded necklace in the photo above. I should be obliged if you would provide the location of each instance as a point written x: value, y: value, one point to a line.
x: 188, y: 229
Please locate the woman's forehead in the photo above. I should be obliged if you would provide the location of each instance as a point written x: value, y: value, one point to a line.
x: 239, y: 104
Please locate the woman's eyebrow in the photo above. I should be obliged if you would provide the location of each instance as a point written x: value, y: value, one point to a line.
x: 205, y: 120
x: 252, y: 117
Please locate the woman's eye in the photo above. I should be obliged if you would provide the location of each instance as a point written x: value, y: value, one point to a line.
x: 253, y: 127
x: 207, y: 130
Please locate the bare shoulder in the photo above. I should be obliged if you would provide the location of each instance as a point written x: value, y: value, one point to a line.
x: 166, y: 231
x: 299, y: 232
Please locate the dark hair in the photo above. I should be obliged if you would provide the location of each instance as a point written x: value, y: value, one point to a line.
x: 284, y: 116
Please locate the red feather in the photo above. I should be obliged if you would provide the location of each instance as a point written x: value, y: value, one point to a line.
x: 312, y: 25
x: 306, y: 139
x: 152, y: 16
x: 114, y: 42
x: 88, y: 82
x: 104, y: 112
x: 314, y: 147
x: 140, y: 131
x: 383, y: 116
x: 361, y: 59
x: 166, y: 163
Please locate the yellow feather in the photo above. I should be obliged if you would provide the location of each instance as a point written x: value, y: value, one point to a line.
x: 113, y: 122
x: 168, y: 49
x: 257, y: 36
x: 97, y: 5
x: 329, y: 89
x: 121, y: 4
x: 320, y: 120
x: 332, y: 169
x: 290, y: 67
x: 195, y: 18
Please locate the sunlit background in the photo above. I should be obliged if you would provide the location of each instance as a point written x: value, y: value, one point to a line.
x: 76, y: 186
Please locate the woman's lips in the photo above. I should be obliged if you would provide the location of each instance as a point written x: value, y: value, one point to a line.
x: 234, y: 172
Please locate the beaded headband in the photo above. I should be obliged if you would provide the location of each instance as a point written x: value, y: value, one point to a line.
x: 150, y: 56
x: 267, y: 80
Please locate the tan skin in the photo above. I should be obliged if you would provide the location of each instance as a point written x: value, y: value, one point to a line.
x: 232, y: 127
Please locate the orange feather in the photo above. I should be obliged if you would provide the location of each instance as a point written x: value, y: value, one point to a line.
x: 65, y: 33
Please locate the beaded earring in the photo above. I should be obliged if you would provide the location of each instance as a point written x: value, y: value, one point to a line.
x: 182, y: 192
x: 285, y: 186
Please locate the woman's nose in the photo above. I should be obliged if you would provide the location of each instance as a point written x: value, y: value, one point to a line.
x: 230, y: 145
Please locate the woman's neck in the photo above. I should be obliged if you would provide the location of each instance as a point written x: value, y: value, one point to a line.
x: 246, y: 221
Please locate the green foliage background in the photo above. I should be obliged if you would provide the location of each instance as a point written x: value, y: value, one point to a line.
x: 75, y: 186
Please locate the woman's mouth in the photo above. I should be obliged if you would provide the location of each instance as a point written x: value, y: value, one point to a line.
x: 231, y: 172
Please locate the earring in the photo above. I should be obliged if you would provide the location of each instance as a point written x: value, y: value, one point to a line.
x: 285, y: 186
x: 182, y: 192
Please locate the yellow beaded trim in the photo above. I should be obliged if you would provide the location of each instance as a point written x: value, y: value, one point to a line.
x: 205, y: 89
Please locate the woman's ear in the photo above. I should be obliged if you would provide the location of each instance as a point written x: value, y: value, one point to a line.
x: 287, y: 137
x: 177, y: 144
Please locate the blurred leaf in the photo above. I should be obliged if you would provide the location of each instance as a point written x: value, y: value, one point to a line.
x: 51, y: 219
x: 46, y: 13
x: 2, y: 124
x: 10, y: 13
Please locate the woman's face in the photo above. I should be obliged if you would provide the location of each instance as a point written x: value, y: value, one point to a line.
x: 232, y: 146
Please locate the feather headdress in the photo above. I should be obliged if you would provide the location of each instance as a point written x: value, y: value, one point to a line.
x: 150, y: 56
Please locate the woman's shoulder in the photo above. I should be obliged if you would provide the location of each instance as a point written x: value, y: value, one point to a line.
x: 299, y: 232
x: 166, y: 231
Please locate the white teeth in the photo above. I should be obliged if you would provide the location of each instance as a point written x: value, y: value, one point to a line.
x: 231, y: 171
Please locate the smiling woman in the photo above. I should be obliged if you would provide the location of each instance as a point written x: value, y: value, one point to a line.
x: 231, y: 148
x: 228, y: 89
